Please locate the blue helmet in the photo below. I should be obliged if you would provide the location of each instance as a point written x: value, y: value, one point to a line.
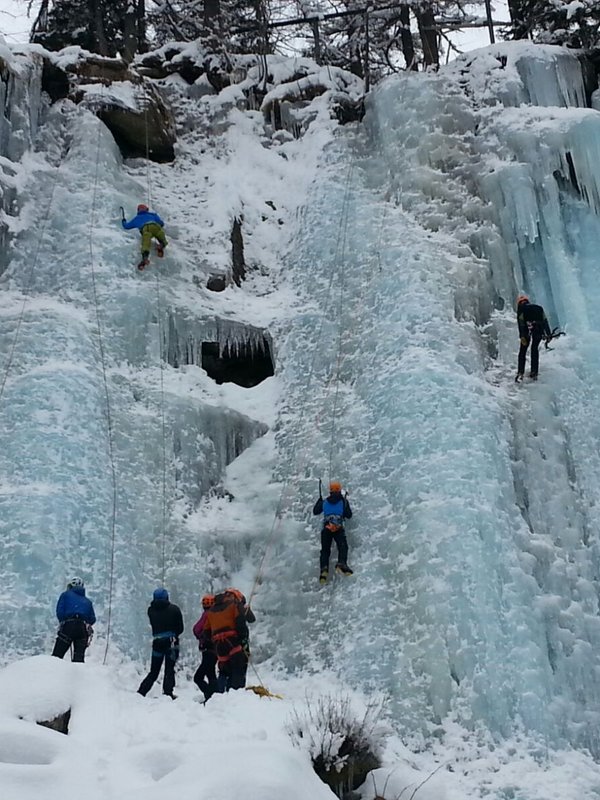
x: 160, y: 594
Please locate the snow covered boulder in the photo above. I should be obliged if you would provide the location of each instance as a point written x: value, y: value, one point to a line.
x: 131, y: 107
x: 344, y: 92
x: 137, y: 117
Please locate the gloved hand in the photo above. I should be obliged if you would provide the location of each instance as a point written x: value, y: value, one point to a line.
x: 524, y: 341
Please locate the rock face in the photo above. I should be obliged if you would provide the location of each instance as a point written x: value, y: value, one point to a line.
x: 130, y: 106
x: 59, y: 723
x: 146, y: 130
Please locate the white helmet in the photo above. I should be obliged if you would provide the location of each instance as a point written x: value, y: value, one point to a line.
x: 74, y: 582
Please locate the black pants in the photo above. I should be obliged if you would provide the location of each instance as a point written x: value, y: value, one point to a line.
x: 232, y: 673
x: 327, y: 537
x: 71, y: 632
x: 535, y: 338
x: 205, y: 676
x: 161, y: 651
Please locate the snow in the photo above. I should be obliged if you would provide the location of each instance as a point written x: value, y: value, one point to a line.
x: 383, y: 261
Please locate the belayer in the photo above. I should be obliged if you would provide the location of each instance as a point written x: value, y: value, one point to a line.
x: 533, y: 327
x: 150, y: 226
x: 167, y: 626
x: 75, y: 613
x: 226, y: 629
x: 335, y: 509
x: 205, y: 676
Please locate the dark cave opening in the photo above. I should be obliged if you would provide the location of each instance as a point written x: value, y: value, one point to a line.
x: 245, y: 365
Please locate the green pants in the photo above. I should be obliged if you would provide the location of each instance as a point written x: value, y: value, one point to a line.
x: 152, y: 230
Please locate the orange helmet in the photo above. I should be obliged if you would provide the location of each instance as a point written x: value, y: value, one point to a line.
x: 208, y: 600
x: 335, y: 486
x: 522, y: 298
x: 142, y: 207
x: 237, y: 594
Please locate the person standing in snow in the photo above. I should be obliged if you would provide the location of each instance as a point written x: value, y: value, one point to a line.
x: 226, y: 629
x: 167, y: 626
x: 335, y: 509
x: 533, y: 327
x: 75, y: 613
x: 205, y: 676
x: 150, y: 226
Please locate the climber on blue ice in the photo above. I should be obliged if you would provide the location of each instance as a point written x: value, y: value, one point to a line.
x: 335, y: 509
x: 533, y: 327
x: 150, y: 226
x: 75, y: 613
x: 167, y: 626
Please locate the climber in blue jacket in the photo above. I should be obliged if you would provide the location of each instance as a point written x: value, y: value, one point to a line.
x: 75, y: 613
x: 150, y: 226
x: 335, y: 509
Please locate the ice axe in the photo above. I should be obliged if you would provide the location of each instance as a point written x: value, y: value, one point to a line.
x: 555, y: 334
x: 122, y: 213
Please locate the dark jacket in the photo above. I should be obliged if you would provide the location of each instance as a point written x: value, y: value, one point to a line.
x: 165, y: 618
x: 334, y: 499
x: 73, y: 604
x: 531, y: 317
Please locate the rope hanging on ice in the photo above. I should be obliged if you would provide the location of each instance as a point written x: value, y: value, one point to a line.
x: 109, y: 425
x: 159, y: 316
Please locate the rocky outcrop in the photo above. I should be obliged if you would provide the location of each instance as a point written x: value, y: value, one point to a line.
x: 131, y: 106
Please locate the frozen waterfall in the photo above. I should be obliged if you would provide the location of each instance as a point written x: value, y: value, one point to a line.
x: 476, y: 501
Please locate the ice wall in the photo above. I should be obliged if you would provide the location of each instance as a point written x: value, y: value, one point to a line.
x: 476, y: 587
x: 170, y: 438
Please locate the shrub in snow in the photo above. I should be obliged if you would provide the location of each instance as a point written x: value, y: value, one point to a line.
x: 343, y: 746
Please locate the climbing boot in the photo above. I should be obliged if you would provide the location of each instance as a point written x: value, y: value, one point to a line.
x: 343, y: 569
x: 324, y: 575
x: 145, y: 261
x: 160, y: 250
x: 533, y: 376
x: 519, y: 377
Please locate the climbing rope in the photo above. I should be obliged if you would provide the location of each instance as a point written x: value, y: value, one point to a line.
x: 161, y: 364
x: 109, y: 424
x: 163, y: 433
x: 301, y: 456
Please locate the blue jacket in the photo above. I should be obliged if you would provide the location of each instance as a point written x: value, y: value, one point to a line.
x: 141, y: 219
x: 334, y: 508
x: 73, y: 603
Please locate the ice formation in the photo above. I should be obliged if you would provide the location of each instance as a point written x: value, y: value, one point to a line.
x: 475, y: 599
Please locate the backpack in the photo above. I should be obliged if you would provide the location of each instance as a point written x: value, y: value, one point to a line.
x: 222, y: 621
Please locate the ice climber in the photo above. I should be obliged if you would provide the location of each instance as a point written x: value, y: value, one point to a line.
x: 205, y: 676
x: 150, y: 226
x: 167, y: 626
x: 533, y: 327
x: 75, y: 613
x: 226, y: 629
x: 335, y: 509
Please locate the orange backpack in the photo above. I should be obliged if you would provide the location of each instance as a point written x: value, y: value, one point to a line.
x: 222, y: 626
